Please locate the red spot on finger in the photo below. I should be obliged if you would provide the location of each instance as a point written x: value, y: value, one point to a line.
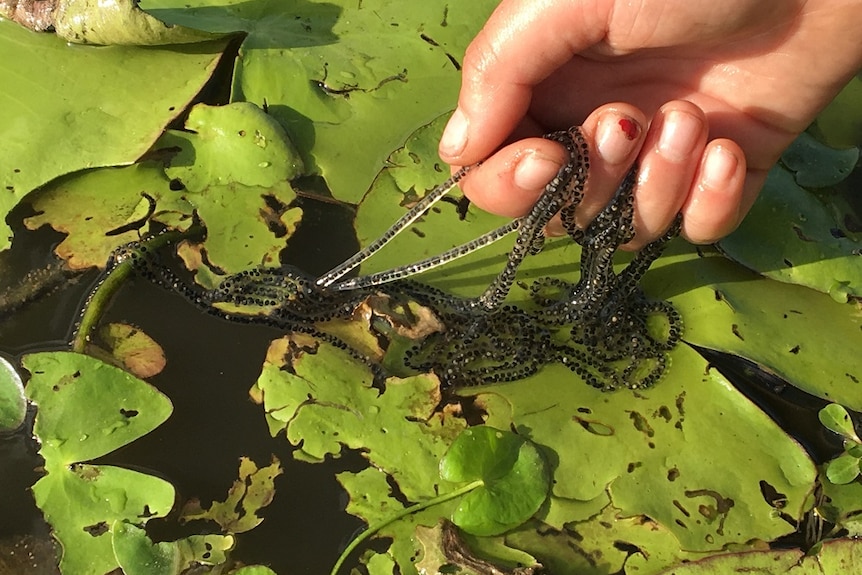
x: 630, y: 128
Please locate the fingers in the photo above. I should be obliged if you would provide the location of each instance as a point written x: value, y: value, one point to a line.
x: 510, y: 182
x: 721, y: 194
x: 522, y: 43
x: 668, y: 163
x: 679, y: 172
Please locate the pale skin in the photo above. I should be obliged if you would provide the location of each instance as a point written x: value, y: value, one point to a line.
x: 703, y: 94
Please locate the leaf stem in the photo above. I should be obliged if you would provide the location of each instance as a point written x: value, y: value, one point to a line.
x: 113, y: 279
x: 372, y: 529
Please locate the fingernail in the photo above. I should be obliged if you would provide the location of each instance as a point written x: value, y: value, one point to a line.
x: 535, y: 171
x: 680, y: 132
x: 454, y: 138
x: 616, y: 137
x: 719, y: 167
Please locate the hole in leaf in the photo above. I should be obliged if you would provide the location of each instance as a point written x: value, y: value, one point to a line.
x: 97, y: 529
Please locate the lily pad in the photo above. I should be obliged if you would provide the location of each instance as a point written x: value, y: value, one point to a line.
x: 346, y: 79
x: 118, y: 22
x: 793, y: 236
x: 835, y: 558
x: 816, y: 165
x: 69, y: 114
x: 655, y: 444
x: 235, y: 143
x: 324, y: 410
x: 138, y: 555
x: 13, y: 404
x: 102, y: 209
x: 238, y: 513
x: 235, y: 167
x: 81, y: 501
x: 513, y: 473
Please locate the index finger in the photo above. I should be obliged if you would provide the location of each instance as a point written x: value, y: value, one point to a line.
x: 523, y: 42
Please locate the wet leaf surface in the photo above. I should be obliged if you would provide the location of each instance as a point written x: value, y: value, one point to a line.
x: 795, y: 236
x: 81, y: 501
x: 71, y: 115
x: 815, y: 165
x: 137, y: 554
x: 335, y: 72
x: 513, y: 473
x: 13, y: 404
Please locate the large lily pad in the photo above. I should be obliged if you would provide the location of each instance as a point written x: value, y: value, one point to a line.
x: 662, y: 441
x: 345, y: 78
x: 794, y: 236
x: 81, y: 501
x: 101, y: 107
x: 723, y: 305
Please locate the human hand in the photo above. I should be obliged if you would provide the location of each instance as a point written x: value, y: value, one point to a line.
x: 713, y: 92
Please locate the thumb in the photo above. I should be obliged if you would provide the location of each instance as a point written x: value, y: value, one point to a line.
x: 523, y: 42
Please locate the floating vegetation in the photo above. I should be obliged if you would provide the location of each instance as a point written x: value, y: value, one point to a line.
x: 603, y: 328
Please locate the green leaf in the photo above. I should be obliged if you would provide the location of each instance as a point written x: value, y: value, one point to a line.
x: 238, y: 513
x: 13, y: 404
x: 656, y: 444
x: 87, y: 409
x: 514, y: 476
x: 324, y: 399
x: 843, y: 469
x: 86, y: 205
x: 56, y: 104
x: 835, y: 418
x: 835, y: 558
x: 136, y: 553
x: 795, y: 236
x: 237, y: 143
x: 348, y: 80
x: 253, y: 570
x: 816, y: 165
x: 117, y: 22
x: 236, y: 165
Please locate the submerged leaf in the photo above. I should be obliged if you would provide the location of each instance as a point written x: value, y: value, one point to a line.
x: 238, y: 513
x: 137, y: 352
